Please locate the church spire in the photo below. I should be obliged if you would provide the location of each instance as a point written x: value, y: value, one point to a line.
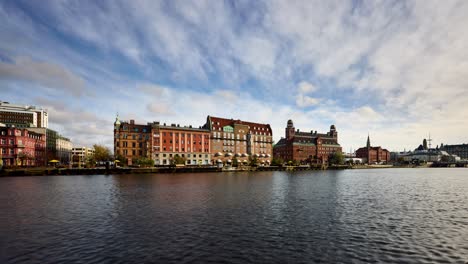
x: 368, y: 141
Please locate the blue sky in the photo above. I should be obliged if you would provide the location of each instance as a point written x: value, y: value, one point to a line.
x: 394, y: 69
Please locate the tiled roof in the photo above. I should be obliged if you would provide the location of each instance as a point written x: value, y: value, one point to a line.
x: 218, y: 122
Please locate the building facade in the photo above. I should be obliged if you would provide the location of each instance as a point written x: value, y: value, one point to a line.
x: 57, y: 146
x: 64, y: 150
x: 161, y: 143
x: 239, y: 141
x: 307, y: 147
x: 191, y: 144
x: 13, y: 115
x: 80, y: 156
x: 461, y: 150
x: 372, y: 155
x: 21, y: 147
x: 132, y: 141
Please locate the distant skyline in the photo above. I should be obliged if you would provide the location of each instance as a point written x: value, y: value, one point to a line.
x: 396, y: 70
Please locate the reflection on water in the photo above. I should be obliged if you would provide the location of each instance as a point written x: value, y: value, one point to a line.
x: 390, y: 215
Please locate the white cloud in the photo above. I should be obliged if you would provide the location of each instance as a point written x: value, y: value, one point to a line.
x: 303, y: 100
x: 159, y: 108
x: 42, y: 73
x: 306, y: 87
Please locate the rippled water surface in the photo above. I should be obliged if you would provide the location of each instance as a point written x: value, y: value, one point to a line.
x: 387, y: 215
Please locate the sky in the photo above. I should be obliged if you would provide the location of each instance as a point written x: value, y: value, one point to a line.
x: 397, y: 70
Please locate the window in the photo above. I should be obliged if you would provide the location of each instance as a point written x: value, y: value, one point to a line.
x: 12, y: 142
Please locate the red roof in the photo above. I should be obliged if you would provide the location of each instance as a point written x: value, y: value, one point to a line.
x: 218, y: 122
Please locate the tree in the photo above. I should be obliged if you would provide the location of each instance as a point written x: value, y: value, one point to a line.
x: 235, y: 163
x: 336, y: 158
x: 277, y: 162
x: 253, y: 161
x: 145, y: 162
x: 120, y: 158
x: 178, y: 160
x: 101, y: 153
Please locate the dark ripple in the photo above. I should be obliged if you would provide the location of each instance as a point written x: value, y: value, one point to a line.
x: 394, y: 215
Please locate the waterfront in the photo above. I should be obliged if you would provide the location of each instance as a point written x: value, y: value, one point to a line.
x: 388, y: 215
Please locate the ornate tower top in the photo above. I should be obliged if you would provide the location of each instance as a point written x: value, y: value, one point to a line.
x: 117, y: 121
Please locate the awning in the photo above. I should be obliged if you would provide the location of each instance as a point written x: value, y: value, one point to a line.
x: 238, y: 155
x: 218, y: 154
x: 245, y: 155
x: 229, y: 161
x: 262, y: 155
x: 255, y: 155
x: 268, y: 155
x: 244, y: 161
x: 219, y: 161
x: 228, y: 154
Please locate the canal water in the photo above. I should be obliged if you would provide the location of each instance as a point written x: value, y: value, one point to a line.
x: 379, y: 215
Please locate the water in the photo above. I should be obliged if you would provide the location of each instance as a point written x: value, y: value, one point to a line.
x: 387, y: 215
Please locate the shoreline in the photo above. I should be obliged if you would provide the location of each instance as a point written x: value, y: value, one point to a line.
x: 117, y: 171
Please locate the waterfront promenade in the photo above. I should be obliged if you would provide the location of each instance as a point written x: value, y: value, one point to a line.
x: 188, y: 169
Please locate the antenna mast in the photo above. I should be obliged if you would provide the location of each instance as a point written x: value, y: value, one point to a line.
x: 429, y: 140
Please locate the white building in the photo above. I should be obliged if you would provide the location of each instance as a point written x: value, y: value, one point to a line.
x: 80, y: 156
x: 23, y: 115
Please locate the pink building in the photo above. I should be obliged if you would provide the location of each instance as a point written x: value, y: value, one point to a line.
x: 21, y: 147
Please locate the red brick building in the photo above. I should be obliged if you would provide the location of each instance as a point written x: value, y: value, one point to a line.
x: 161, y: 143
x: 372, y: 155
x: 236, y: 140
x: 21, y: 147
x: 191, y: 144
x: 307, y: 147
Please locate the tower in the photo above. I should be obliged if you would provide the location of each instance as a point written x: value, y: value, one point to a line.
x: 368, y: 149
x: 290, y: 132
x: 333, y: 132
x: 117, y: 122
x: 116, y: 133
